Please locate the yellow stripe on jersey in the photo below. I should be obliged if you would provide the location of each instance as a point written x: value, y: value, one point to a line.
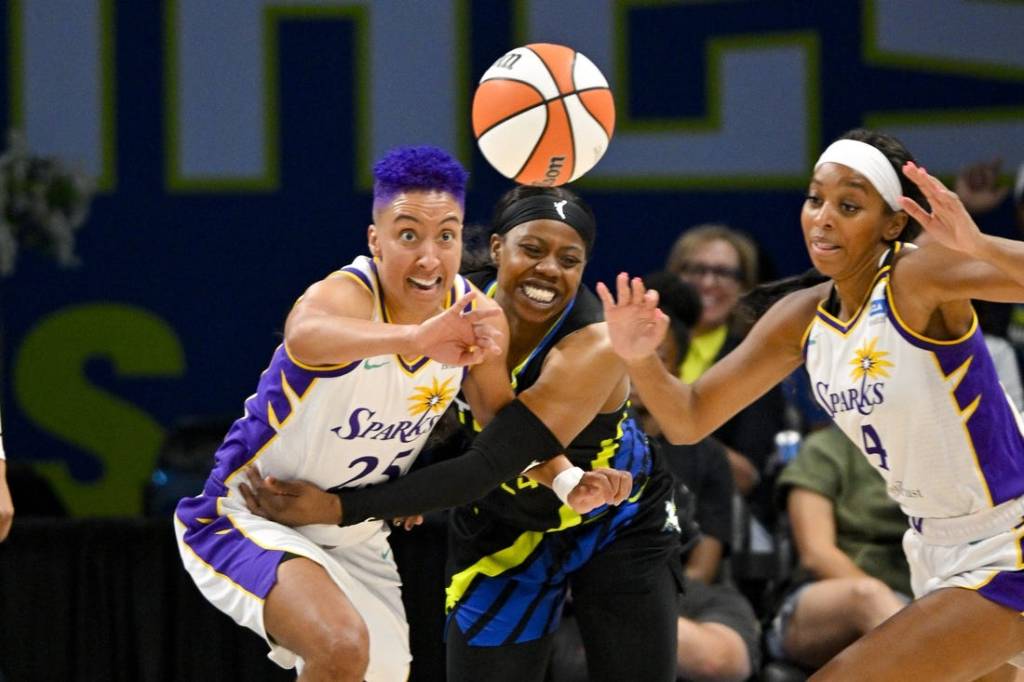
x: 855, y: 318
x: 354, y: 277
x: 293, y: 398
x: 921, y: 337
x: 504, y: 559
x: 609, y: 446
x: 966, y: 413
x: 316, y: 368
x: 272, y: 417
x: 492, y: 565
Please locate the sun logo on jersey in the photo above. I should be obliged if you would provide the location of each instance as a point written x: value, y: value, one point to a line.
x: 869, y: 363
x: 433, y: 398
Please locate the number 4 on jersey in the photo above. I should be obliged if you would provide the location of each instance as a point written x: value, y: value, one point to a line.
x: 873, y: 445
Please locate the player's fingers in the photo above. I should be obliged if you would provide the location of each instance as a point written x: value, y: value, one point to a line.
x: 478, y: 314
x: 250, y: 499
x: 253, y: 476
x: 637, y: 290
x: 472, y: 355
x: 283, y: 488
x: 916, y: 212
x: 483, y: 330
x: 489, y: 346
x: 651, y: 299
x: 464, y: 301
x: 625, y: 485
x: 606, y: 296
x: 412, y: 521
x: 622, y: 288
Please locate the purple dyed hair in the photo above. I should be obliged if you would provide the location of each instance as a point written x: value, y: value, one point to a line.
x: 418, y: 168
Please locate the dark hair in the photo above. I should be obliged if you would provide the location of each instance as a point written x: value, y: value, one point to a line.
x: 898, y: 154
x: 418, y: 168
x: 758, y: 300
x: 680, y: 301
x: 476, y: 249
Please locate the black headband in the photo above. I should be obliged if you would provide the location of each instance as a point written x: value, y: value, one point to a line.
x: 548, y: 207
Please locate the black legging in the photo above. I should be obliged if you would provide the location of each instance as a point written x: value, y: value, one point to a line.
x: 627, y: 621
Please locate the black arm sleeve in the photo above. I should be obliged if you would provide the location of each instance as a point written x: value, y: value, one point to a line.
x: 514, y: 439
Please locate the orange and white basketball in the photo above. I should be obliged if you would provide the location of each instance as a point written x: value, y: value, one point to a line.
x: 543, y: 114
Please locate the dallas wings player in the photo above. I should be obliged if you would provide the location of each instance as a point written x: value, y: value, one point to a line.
x: 372, y: 356
x: 895, y: 355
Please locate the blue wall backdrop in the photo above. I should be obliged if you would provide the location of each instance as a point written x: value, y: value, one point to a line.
x: 232, y: 140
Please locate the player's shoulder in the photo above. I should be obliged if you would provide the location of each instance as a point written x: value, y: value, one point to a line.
x: 590, y: 342
x: 798, y: 308
x: 341, y: 294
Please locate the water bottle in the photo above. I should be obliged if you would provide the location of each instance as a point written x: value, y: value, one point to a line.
x: 787, y: 444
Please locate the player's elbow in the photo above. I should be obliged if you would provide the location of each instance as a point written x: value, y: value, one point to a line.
x: 681, y: 434
x: 300, y: 339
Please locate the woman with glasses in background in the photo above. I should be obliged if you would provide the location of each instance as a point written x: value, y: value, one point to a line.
x: 722, y: 264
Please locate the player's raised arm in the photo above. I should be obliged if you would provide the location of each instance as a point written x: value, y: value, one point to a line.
x: 688, y: 413
x: 331, y: 325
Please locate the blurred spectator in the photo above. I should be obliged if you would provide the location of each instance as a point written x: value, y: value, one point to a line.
x: 721, y: 263
x: 852, y: 573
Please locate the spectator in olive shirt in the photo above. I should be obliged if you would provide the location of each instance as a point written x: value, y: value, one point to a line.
x: 852, y: 573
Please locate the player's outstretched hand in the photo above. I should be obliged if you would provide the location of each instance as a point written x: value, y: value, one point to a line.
x: 290, y: 503
x: 598, y: 487
x: 949, y: 223
x: 459, y: 337
x: 636, y: 326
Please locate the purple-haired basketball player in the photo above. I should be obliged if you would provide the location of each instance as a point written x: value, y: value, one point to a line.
x: 895, y: 356
x: 372, y: 357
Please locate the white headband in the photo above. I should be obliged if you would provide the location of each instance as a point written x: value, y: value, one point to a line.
x: 869, y: 162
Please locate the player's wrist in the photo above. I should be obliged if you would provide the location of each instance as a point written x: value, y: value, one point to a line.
x: 565, y: 482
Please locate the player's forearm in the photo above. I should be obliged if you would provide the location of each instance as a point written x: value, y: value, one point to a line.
x: 502, y: 450
x: 545, y: 472
x: 668, y: 399
x: 1005, y: 254
x: 332, y: 340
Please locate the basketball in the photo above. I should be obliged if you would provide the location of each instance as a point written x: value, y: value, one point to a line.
x: 543, y: 114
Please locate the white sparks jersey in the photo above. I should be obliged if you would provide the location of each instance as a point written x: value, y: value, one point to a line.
x: 930, y: 415
x: 350, y: 425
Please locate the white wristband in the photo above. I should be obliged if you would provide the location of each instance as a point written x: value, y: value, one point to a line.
x: 565, y: 482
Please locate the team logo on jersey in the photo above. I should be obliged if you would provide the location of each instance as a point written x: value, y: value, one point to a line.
x: 869, y: 368
x: 426, y: 405
x: 431, y: 399
x: 671, y: 518
x: 869, y: 363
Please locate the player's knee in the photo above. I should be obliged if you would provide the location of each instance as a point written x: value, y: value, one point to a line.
x: 343, y: 654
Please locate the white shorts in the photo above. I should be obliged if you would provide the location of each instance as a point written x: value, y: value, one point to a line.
x: 233, y: 560
x: 993, y: 566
